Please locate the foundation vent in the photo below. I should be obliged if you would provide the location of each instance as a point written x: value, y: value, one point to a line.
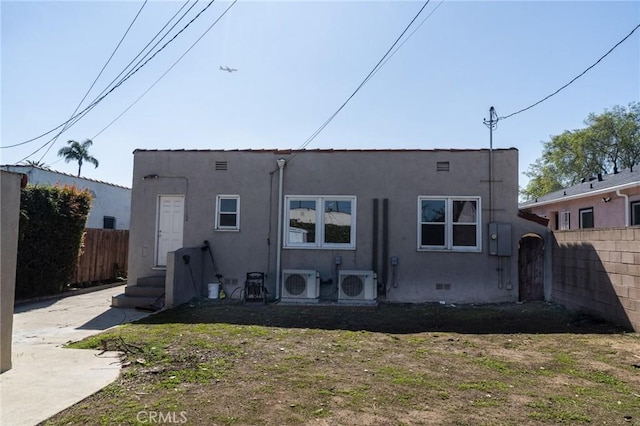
x: 221, y: 165
x: 443, y: 286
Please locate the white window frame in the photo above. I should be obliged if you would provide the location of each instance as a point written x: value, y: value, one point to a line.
x: 320, y: 234
x: 565, y: 220
x: 593, y: 218
x: 448, y: 224
x: 218, y: 226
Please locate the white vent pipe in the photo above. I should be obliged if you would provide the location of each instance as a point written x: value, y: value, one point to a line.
x: 281, y: 163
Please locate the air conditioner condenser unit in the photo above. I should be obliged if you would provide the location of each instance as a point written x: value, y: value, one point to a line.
x: 300, y: 285
x: 357, y: 286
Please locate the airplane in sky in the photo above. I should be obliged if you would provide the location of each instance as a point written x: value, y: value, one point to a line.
x: 227, y: 69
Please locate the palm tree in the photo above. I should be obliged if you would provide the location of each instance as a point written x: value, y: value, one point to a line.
x: 79, y: 152
x: 38, y: 164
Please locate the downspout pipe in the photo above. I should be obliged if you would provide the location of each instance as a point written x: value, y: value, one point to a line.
x: 281, y: 163
x: 626, y: 206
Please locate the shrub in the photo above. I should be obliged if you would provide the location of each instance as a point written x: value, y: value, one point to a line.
x: 52, y: 223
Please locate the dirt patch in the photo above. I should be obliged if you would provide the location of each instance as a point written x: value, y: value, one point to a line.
x: 223, y: 363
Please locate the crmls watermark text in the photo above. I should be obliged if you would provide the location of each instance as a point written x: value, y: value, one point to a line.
x: 156, y: 417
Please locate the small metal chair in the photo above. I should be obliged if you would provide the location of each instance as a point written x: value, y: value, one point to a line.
x: 254, y: 289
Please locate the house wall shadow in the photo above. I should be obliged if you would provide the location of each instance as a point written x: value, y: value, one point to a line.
x: 111, y: 318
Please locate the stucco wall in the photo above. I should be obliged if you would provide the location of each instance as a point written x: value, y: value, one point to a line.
x: 599, y: 271
x: 109, y: 200
x: 9, y: 218
x: 399, y: 176
x: 605, y: 215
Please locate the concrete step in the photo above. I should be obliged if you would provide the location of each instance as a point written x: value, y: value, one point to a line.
x: 143, y: 291
x: 151, y: 281
x: 124, y: 301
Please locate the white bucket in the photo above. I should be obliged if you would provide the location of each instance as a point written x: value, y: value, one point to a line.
x: 214, y: 290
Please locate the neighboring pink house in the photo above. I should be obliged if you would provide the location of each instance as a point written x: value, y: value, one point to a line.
x: 604, y: 201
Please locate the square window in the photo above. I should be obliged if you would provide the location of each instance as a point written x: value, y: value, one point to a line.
x: 449, y: 223
x: 432, y: 235
x: 464, y: 236
x: 109, y: 222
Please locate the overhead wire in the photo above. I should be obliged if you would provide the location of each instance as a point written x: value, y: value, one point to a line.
x: 156, y: 44
x: 409, y: 36
x: 166, y: 72
x: 574, y: 79
x: 81, y: 114
x: 122, y: 72
x: 137, y: 68
x: 96, y: 79
x: 366, y: 79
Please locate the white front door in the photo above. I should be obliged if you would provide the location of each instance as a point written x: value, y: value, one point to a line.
x: 170, y: 226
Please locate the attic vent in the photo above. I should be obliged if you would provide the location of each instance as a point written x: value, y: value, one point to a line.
x: 221, y: 165
x: 442, y: 166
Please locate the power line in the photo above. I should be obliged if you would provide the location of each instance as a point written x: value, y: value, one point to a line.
x: 410, y: 35
x: 96, y: 79
x: 138, y: 66
x: 129, y: 64
x: 36, y: 138
x: 574, y: 79
x: 165, y: 73
x: 151, y: 41
x: 77, y: 116
x: 85, y: 111
x: 367, y: 78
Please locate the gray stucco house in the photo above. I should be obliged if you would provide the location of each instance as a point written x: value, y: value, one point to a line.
x: 111, y: 204
x: 352, y: 226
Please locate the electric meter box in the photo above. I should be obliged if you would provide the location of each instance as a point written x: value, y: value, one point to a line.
x: 499, y: 239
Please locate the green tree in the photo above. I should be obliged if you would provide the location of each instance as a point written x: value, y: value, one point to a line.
x: 79, y: 152
x: 543, y: 179
x: 609, y: 143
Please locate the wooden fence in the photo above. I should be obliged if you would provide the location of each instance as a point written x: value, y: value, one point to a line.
x: 104, y: 256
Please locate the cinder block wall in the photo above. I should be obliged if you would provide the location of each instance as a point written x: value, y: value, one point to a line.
x: 598, y: 270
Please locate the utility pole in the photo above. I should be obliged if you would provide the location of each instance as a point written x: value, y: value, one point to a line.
x: 491, y: 123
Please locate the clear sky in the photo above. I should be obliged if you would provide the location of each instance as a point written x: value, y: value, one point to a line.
x: 297, y: 62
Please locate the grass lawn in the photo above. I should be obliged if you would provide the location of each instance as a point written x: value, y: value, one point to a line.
x: 219, y: 363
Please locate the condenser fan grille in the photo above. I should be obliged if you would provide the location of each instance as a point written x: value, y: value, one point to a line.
x: 295, y: 284
x: 352, y: 285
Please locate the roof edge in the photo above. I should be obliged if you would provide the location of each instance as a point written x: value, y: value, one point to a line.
x: 532, y: 217
x: 61, y: 173
x: 290, y: 151
x: 581, y: 195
